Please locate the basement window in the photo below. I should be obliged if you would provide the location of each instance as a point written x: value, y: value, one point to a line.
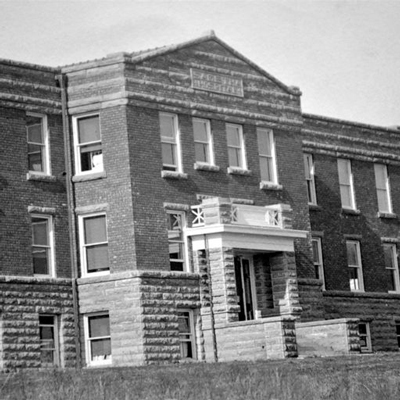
x: 49, y: 341
x: 186, y: 334
x: 365, y: 337
x: 98, y: 339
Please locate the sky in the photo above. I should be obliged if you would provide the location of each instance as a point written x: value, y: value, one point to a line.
x: 343, y: 55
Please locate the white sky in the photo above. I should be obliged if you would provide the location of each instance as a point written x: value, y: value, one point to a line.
x: 344, y: 55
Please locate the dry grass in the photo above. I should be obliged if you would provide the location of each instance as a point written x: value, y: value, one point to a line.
x: 357, y: 377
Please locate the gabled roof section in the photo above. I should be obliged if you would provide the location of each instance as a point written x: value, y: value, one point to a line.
x: 210, y: 35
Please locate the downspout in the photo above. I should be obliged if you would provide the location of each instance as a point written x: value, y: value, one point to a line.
x: 62, y: 79
x: 212, y: 318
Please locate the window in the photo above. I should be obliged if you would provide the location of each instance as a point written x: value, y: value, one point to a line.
x: 382, y: 188
x: 202, y: 141
x: 309, y: 171
x: 98, y: 339
x: 346, y: 184
x: 398, y: 333
x: 236, y: 154
x: 42, y: 245
x: 186, y: 334
x: 88, y: 149
x: 38, y: 144
x: 266, y: 154
x: 170, y: 142
x: 317, y: 258
x: 176, y: 241
x: 365, y: 337
x: 94, y: 244
x: 391, y: 266
x: 49, y: 343
x: 354, y: 264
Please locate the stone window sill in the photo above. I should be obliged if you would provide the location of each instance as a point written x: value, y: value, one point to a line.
x: 239, y: 171
x: 387, y: 215
x: 205, y: 167
x: 173, y: 175
x: 350, y: 211
x: 89, y: 177
x: 32, y: 176
x: 314, y: 207
x: 264, y: 185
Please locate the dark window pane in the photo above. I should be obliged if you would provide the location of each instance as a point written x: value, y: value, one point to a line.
x: 89, y: 129
x: 97, y: 258
x: 95, y: 229
x: 99, y: 325
x: 101, y: 349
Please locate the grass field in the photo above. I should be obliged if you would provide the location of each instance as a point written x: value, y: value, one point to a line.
x: 356, y: 377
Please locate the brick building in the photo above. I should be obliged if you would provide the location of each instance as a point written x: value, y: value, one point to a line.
x: 177, y: 204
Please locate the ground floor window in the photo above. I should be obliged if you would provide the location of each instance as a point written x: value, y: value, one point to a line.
x: 98, y: 339
x: 398, y: 333
x: 49, y: 343
x: 365, y: 337
x: 187, y: 334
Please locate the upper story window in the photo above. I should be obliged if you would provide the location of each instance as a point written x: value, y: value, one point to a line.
x: 391, y: 266
x: 42, y: 245
x: 176, y: 240
x: 346, y: 184
x: 266, y: 154
x: 88, y: 147
x: 94, y: 244
x: 383, y: 188
x: 203, y: 141
x: 49, y: 343
x: 309, y: 171
x: 317, y: 259
x: 355, y: 267
x: 235, y: 140
x: 38, y: 144
x: 170, y: 146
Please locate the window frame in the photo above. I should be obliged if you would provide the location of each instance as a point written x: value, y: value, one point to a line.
x: 83, y: 245
x: 208, y: 143
x: 241, y: 149
x: 385, y: 188
x: 50, y: 246
x: 56, y: 332
x: 192, y: 333
x: 183, y: 241
x: 395, y: 268
x: 88, y: 339
x: 271, y: 158
x: 309, y: 169
x: 175, y: 142
x: 358, y: 266
x: 77, y: 145
x: 368, y: 347
x: 46, y: 144
x: 346, y: 182
x: 320, y: 263
x: 397, y: 327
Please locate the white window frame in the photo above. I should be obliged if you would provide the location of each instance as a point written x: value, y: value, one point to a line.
x: 271, y: 158
x: 357, y: 266
x: 82, y: 244
x: 208, y: 144
x: 395, y: 268
x: 346, y: 184
x: 192, y: 339
x: 50, y: 247
x: 310, y: 178
x: 368, y: 347
x: 183, y: 242
x: 56, y: 331
x: 318, y: 263
x: 88, y: 340
x: 77, y: 145
x: 383, y: 188
x: 174, y: 142
x: 240, y: 150
x: 46, y: 144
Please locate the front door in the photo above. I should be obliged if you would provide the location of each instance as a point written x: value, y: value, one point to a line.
x: 245, y: 287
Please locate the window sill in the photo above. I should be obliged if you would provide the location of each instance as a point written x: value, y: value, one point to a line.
x: 205, y: 167
x: 264, y: 185
x: 89, y: 177
x: 32, y: 176
x: 239, y: 171
x: 387, y: 215
x: 350, y: 211
x: 314, y: 207
x: 173, y: 175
